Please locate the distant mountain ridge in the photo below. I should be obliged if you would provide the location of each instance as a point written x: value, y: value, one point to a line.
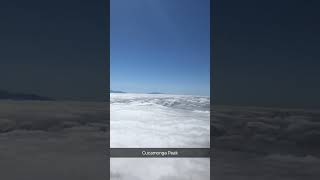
x: 112, y: 91
x: 21, y: 96
x: 156, y: 93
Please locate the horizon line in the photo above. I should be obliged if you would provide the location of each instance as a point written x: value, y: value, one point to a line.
x: 168, y: 93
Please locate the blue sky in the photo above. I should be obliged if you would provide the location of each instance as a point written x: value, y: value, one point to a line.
x: 160, y: 46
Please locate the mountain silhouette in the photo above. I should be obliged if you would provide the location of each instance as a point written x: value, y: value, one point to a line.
x: 156, y: 93
x: 112, y: 91
x: 21, y: 96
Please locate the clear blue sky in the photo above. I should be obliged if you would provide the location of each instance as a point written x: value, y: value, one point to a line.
x: 160, y: 46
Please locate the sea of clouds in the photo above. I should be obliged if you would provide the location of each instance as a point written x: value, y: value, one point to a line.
x: 159, y: 121
x: 160, y: 168
x: 53, y: 140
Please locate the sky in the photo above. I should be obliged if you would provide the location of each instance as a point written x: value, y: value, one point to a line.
x: 54, y: 48
x: 266, y: 53
x: 160, y: 46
